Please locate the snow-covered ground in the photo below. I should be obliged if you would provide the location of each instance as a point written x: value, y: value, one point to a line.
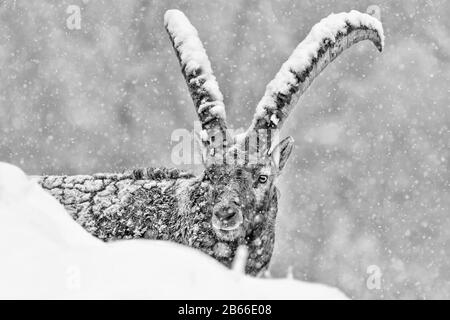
x: 45, y: 254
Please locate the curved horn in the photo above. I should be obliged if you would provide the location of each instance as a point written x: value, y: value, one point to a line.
x: 326, y: 41
x: 196, y: 69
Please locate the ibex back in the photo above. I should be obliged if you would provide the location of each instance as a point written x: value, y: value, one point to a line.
x: 234, y: 201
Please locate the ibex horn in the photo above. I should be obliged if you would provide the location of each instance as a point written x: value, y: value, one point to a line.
x: 325, y: 42
x: 196, y: 69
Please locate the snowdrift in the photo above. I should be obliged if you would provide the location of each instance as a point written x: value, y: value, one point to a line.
x: 45, y: 254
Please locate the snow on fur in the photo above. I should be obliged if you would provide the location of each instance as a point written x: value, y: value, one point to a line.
x: 305, y: 53
x: 46, y: 255
x: 194, y: 61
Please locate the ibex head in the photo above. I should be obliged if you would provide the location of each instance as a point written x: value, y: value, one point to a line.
x: 244, y: 194
x: 242, y: 169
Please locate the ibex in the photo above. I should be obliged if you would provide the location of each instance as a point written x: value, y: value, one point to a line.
x: 234, y: 201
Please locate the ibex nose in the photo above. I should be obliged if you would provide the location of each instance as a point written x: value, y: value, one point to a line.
x: 227, y: 218
x: 226, y: 213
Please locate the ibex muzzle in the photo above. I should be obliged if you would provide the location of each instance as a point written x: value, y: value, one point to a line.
x: 234, y: 202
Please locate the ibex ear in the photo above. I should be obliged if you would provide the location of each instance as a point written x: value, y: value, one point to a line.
x: 281, y: 152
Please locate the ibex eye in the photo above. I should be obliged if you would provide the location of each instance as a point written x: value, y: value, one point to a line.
x: 262, y: 178
x: 206, y: 177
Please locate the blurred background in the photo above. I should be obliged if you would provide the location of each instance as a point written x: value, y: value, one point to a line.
x: 365, y: 202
